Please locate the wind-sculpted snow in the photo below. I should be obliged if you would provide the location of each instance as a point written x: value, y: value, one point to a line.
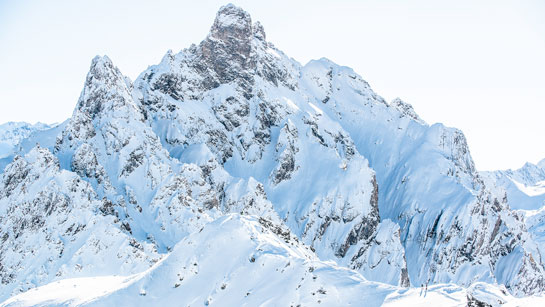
x: 313, y: 169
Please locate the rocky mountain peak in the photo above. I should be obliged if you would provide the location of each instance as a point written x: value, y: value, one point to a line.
x: 104, y: 83
x: 102, y: 68
x: 227, y: 50
x: 231, y: 21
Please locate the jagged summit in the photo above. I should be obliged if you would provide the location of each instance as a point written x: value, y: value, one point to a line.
x: 230, y: 49
x: 104, y: 84
x: 101, y: 60
x: 102, y: 68
x: 231, y: 19
x: 234, y: 52
x: 233, y: 26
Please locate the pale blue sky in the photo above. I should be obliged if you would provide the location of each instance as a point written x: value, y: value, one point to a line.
x: 475, y: 65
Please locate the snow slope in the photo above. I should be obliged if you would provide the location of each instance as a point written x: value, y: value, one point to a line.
x: 259, y: 268
x: 453, y: 228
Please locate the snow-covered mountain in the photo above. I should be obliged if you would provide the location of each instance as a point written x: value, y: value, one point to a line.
x: 525, y: 187
x: 11, y: 134
x: 230, y: 174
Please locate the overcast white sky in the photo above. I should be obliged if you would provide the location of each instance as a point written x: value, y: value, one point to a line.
x: 475, y: 65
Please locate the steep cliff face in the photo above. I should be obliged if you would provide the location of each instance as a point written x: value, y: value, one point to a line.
x: 232, y: 126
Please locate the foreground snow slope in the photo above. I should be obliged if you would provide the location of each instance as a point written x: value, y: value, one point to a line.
x: 259, y: 266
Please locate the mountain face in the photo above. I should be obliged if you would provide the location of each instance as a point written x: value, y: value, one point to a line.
x: 231, y: 150
x: 53, y: 226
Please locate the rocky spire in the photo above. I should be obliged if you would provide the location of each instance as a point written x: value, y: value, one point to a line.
x: 105, y: 98
x: 227, y: 50
x: 232, y: 24
x: 104, y: 84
